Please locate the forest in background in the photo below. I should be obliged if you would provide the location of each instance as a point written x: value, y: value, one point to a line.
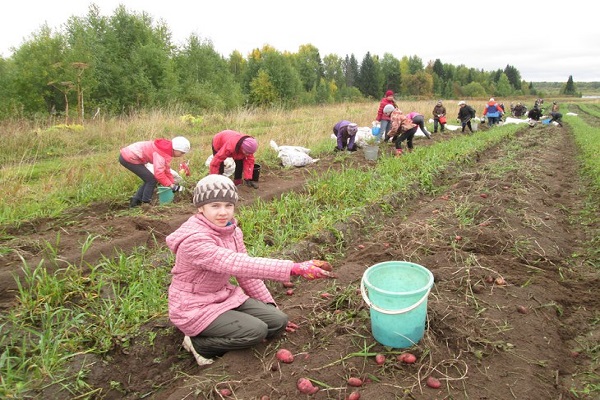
x: 126, y: 62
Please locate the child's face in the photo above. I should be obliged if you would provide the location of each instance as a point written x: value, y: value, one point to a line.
x: 219, y: 212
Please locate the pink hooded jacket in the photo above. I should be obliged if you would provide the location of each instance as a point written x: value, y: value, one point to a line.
x: 157, y: 152
x: 207, y: 256
x: 225, y: 144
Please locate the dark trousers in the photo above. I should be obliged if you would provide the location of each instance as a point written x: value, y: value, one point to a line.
x: 408, y: 136
x: 465, y: 124
x: 146, y: 190
x: 435, y: 125
x: 240, y: 328
x: 239, y: 167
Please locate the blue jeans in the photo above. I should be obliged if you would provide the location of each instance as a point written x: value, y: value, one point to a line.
x: 385, y: 125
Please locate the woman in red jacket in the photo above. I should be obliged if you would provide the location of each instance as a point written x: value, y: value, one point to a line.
x: 241, y: 148
x: 384, y: 119
x: 159, y: 153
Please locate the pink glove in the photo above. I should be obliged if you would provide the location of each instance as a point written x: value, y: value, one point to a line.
x: 312, y: 269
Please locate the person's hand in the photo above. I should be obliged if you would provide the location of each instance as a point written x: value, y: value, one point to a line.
x: 251, y: 183
x: 176, y: 188
x: 312, y: 269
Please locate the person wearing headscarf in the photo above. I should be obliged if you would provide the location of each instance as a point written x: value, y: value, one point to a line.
x: 345, y: 132
x: 439, y: 117
x: 241, y: 149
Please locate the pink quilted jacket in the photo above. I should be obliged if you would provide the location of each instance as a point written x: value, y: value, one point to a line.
x: 206, y: 257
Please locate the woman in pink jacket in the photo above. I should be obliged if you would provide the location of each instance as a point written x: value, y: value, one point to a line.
x: 215, y: 315
x: 159, y: 153
x: 241, y: 148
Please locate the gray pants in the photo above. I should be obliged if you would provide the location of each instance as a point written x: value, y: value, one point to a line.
x: 240, y: 328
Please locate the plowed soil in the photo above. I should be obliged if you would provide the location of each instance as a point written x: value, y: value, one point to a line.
x: 509, y: 315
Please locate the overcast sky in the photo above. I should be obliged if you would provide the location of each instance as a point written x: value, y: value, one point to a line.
x: 546, y: 41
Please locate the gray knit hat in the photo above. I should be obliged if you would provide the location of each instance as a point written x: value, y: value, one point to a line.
x: 213, y: 188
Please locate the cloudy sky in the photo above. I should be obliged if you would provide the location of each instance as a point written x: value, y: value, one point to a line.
x: 547, y: 41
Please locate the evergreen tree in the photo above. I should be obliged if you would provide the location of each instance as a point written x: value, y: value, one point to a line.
x: 569, y: 89
x: 368, y: 77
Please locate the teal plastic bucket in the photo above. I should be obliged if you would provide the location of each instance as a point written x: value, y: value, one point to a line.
x: 375, y: 130
x: 165, y: 195
x: 396, y: 293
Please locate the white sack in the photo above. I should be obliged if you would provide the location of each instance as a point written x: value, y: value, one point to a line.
x: 229, y: 164
x: 176, y: 176
x: 510, y: 120
x: 293, y: 156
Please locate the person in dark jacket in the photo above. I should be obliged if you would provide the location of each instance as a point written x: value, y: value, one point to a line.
x: 345, y: 132
x: 535, y: 113
x: 384, y: 119
x: 439, y: 117
x: 465, y: 114
x: 519, y: 110
x: 241, y: 148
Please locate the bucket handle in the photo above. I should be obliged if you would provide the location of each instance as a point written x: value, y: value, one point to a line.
x: 390, y: 312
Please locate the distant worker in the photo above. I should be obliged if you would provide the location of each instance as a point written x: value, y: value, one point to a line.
x: 556, y: 116
x: 383, y: 118
x: 519, y: 110
x: 439, y: 117
x: 419, y: 120
x: 534, y: 114
x: 345, y: 132
x: 465, y: 114
x: 493, y: 111
x: 403, y: 128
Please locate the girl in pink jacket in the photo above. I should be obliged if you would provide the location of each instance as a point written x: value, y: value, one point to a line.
x: 159, y: 153
x: 241, y: 148
x: 215, y: 315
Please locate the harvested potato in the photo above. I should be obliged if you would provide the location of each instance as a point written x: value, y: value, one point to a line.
x: 433, y: 382
x: 305, y: 386
x: 355, y: 382
x: 285, y: 356
x: 407, y: 358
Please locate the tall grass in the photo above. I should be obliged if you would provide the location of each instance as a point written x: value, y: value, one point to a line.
x: 46, y: 170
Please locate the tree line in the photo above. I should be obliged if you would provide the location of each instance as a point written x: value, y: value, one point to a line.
x: 127, y: 62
